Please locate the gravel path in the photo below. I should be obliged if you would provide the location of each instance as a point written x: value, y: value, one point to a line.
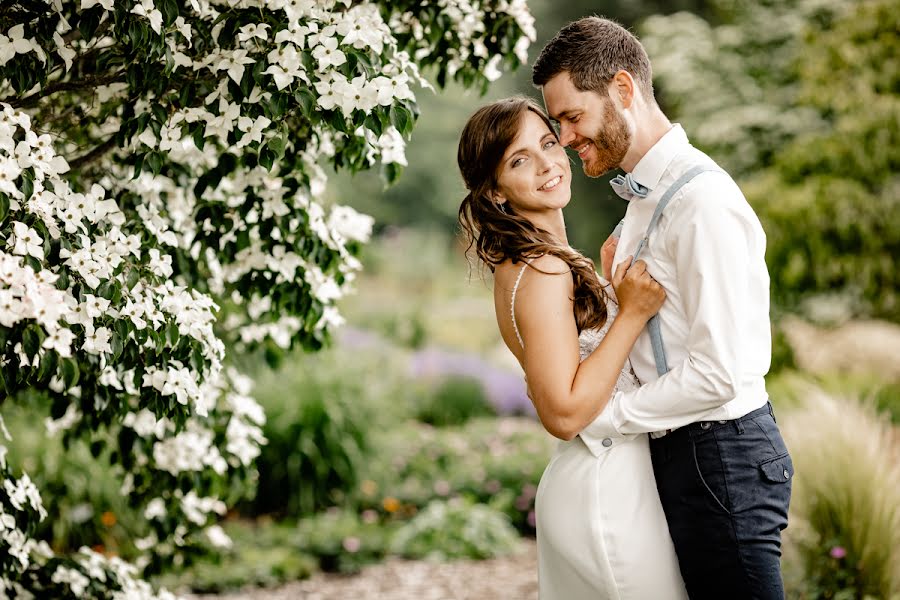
x: 509, y: 578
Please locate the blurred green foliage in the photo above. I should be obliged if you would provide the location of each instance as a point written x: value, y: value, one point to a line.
x: 264, y: 554
x: 455, y: 529
x: 491, y: 461
x: 807, y: 115
x: 78, y: 488
x: 342, y: 540
x: 453, y: 402
x: 321, y: 411
x: 782, y: 353
x: 416, y: 289
x: 844, y: 538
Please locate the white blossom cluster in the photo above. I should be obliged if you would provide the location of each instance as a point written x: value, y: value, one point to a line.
x: 23, y: 497
x: 468, y: 28
x: 94, y: 259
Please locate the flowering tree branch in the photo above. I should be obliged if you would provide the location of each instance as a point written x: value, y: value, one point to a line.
x: 94, y: 155
x: 87, y: 83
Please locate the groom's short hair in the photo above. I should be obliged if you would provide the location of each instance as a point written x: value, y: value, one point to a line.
x: 593, y: 50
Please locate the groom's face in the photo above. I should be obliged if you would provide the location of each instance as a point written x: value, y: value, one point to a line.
x: 589, y: 123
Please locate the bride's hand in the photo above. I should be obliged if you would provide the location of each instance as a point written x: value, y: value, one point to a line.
x: 607, y: 252
x: 639, y: 294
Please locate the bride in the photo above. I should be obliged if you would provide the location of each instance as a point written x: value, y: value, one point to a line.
x: 601, y: 530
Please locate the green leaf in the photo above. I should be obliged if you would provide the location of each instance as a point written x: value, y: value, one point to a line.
x: 169, y: 10
x: 392, y: 172
x: 307, y: 101
x: 27, y: 186
x: 48, y: 366
x: 277, y: 145
x: 266, y: 158
x: 115, y: 342
x: 186, y: 96
x: 172, y: 334
x: 132, y: 278
x: 401, y: 118
x: 63, y: 282
x: 138, y: 165
x: 70, y: 372
x: 337, y: 121
x: 31, y: 340
x: 243, y: 240
x: 159, y: 113
x: 155, y: 160
x: 4, y: 207
x: 197, y: 361
x: 373, y: 123
x: 198, y: 135
x: 122, y: 327
x: 106, y: 289
x: 88, y: 22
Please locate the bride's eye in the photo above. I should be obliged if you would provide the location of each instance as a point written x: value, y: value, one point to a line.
x: 549, y: 144
x: 518, y: 162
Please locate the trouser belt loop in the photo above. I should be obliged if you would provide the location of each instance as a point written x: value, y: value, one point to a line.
x: 739, y: 425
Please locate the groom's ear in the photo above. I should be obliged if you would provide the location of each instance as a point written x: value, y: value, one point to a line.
x: 624, y: 87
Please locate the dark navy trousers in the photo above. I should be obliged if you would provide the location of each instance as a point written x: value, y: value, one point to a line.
x: 725, y: 488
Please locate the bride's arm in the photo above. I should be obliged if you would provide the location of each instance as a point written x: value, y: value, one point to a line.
x: 566, y: 394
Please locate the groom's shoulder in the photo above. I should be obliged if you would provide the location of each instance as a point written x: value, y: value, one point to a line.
x: 711, y: 189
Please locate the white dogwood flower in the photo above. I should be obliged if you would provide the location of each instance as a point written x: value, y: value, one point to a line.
x: 147, y: 9
x: 28, y: 241
x: 327, y: 54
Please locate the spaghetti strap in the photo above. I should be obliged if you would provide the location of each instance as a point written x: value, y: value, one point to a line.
x: 512, y: 304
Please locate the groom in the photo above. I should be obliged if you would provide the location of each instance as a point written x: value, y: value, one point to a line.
x: 721, y: 466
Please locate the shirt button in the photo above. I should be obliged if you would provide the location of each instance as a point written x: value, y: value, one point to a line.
x: 786, y: 474
x: 608, y: 442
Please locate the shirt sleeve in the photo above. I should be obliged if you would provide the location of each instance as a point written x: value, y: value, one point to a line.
x: 709, y: 238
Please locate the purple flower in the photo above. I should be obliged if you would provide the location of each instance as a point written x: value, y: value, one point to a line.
x: 838, y: 552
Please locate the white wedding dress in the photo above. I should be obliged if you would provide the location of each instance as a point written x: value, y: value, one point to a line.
x: 601, y: 530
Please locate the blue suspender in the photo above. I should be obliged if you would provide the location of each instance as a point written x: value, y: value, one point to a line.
x: 656, y: 341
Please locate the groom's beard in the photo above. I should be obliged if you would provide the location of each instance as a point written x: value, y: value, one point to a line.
x: 611, y: 142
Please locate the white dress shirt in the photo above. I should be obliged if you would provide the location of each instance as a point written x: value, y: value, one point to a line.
x: 708, y: 253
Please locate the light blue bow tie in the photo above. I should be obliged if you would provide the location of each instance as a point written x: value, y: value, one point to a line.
x: 627, y: 187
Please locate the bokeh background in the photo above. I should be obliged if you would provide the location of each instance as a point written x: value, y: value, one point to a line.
x: 412, y: 435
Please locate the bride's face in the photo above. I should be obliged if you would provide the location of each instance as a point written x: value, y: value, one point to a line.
x: 534, y: 175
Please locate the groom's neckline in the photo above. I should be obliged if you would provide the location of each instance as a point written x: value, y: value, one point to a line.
x: 654, y: 163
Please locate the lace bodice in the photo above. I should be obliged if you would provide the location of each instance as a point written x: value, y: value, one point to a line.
x: 588, y: 339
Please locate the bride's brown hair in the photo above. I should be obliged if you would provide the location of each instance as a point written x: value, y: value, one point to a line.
x: 496, y: 231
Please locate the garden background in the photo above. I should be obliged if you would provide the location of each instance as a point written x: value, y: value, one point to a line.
x: 409, y: 433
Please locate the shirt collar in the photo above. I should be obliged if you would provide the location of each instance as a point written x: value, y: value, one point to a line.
x: 653, y: 164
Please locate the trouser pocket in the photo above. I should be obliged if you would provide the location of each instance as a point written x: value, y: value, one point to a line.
x: 710, y: 472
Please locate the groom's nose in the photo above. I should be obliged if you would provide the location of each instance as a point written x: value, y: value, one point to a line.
x: 566, y: 134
